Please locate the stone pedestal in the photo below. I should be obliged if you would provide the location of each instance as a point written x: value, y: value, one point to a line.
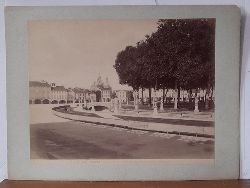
x: 85, y: 103
x: 116, y: 106
x: 196, y: 109
x: 136, y: 101
x: 155, y: 104
x: 136, y: 107
x: 175, y: 99
x: 155, y: 112
x: 120, y: 104
x: 207, y: 102
x: 162, y: 107
x: 116, y: 111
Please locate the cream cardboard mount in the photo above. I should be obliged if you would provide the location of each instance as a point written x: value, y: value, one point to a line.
x: 225, y: 164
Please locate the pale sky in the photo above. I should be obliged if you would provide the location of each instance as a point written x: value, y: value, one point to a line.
x: 74, y: 53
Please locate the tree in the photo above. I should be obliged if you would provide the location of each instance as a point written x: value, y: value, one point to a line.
x: 179, y: 55
x: 128, y: 69
x: 188, y: 46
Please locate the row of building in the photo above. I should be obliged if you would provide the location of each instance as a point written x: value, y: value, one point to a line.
x: 41, y: 92
x: 45, y: 93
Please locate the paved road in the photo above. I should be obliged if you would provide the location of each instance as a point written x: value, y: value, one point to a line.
x: 76, y: 140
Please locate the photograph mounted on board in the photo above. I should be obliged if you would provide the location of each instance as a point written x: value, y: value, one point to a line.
x: 122, y: 89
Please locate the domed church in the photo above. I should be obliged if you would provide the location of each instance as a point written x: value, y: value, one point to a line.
x: 102, y: 89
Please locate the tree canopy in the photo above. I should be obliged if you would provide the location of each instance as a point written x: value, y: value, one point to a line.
x: 181, y: 52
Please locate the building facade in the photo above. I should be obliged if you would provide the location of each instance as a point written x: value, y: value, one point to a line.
x: 80, y: 95
x: 70, y: 95
x: 45, y: 93
x: 39, y: 92
x: 122, y: 95
x: 59, y: 95
x: 106, y: 95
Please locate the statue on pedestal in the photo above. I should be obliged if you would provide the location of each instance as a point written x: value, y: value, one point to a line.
x: 196, y: 102
x: 116, y: 106
x: 155, y: 112
x: 136, y: 100
x: 162, y: 107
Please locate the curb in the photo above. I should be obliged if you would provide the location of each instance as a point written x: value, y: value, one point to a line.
x: 66, y: 115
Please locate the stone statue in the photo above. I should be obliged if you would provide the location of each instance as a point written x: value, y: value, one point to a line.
x: 196, y: 102
x: 116, y: 105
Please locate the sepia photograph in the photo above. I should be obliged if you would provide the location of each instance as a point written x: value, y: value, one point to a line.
x: 122, y: 89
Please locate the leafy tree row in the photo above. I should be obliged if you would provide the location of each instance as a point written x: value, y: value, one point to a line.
x: 179, y: 55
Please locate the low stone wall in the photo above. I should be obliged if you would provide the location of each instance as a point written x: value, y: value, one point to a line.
x: 196, y: 131
x: 106, y: 104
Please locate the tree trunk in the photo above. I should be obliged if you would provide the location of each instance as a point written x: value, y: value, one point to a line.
x: 175, y: 95
x: 190, y: 96
x: 142, y: 96
x: 134, y: 97
x: 163, y: 94
x: 162, y: 99
x: 207, y: 99
x: 149, y: 93
x: 136, y: 100
x: 196, y: 102
x: 212, y: 92
x: 179, y: 95
x: 155, y: 102
x: 165, y: 98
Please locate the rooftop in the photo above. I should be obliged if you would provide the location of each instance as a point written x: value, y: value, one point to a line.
x: 58, y: 88
x: 80, y: 90
x: 38, y: 84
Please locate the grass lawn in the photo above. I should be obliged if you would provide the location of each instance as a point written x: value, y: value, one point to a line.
x: 169, y: 121
x: 89, y: 114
